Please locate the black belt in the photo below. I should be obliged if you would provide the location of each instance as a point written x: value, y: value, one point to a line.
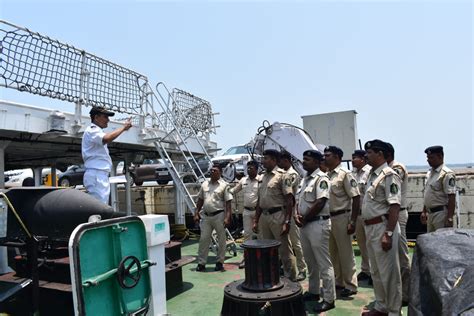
x: 272, y: 210
x: 437, y: 209
x: 318, y: 218
x: 214, y: 213
x: 249, y: 209
x: 339, y: 212
x: 404, y: 208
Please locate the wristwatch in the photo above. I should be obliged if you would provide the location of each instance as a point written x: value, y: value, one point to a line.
x: 287, y: 222
x: 389, y: 233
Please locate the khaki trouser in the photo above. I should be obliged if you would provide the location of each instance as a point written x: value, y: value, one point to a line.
x: 247, y: 219
x: 361, y: 241
x: 269, y: 227
x: 385, y: 269
x: 295, y: 240
x: 315, y: 244
x: 436, y: 220
x: 404, y: 256
x: 342, y: 256
x: 208, y: 224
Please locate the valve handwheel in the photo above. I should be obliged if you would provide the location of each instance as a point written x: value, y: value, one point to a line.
x: 125, y: 278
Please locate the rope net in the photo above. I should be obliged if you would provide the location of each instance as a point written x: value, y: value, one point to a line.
x: 37, y: 64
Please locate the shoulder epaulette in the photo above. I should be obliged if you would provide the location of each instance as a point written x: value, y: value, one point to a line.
x: 345, y: 171
x: 446, y: 170
x: 321, y: 174
x: 388, y: 171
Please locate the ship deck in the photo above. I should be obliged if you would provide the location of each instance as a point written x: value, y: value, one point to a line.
x: 203, y: 292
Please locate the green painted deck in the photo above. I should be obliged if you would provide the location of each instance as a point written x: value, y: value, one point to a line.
x: 203, y: 292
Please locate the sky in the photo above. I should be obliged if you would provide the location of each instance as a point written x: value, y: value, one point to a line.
x: 406, y: 67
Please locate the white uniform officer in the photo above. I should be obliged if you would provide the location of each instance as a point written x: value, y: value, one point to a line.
x: 95, y: 153
x: 313, y: 218
x: 440, y: 192
x: 380, y: 214
x: 404, y: 256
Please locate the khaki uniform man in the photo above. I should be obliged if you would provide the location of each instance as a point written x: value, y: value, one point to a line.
x: 274, y: 210
x: 344, y: 208
x: 293, y: 177
x: 214, y: 200
x: 380, y: 214
x: 404, y: 256
x: 249, y: 186
x: 361, y: 172
x: 315, y: 227
x: 440, y: 192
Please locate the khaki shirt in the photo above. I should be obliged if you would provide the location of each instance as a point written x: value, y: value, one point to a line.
x: 294, y: 178
x: 402, y: 172
x: 250, y: 191
x: 273, y: 188
x: 361, y: 177
x: 383, y: 190
x: 214, y: 195
x: 440, y: 182
x: 343, y: 189
x: 313, y: 187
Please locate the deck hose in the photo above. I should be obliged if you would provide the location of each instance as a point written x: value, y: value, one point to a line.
x: 180, y: 232
x: 16, y: 214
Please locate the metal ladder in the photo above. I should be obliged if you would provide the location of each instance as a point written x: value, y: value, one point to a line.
x: 175, y: 122
x: 179, y: 122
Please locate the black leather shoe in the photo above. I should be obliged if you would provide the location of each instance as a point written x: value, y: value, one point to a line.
x: 200, y: 268
x: 301, y: 276
x: 404, y: 303
x: 307, y: 297
x: 363, y: 276
x: 347, y: 293
x: 323, y: 306
x: 370, y: 282
x: 219, y: 267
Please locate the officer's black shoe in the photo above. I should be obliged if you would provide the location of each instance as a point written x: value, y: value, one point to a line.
x: 301, y: 276
x: 347, y: 293
x: 362, y: 276
x: 323, y: 306
x: 404, y: 303
x: 200, y: 268
x: 219, y: 267
x: 370, y: 282
x: 310, y: 297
